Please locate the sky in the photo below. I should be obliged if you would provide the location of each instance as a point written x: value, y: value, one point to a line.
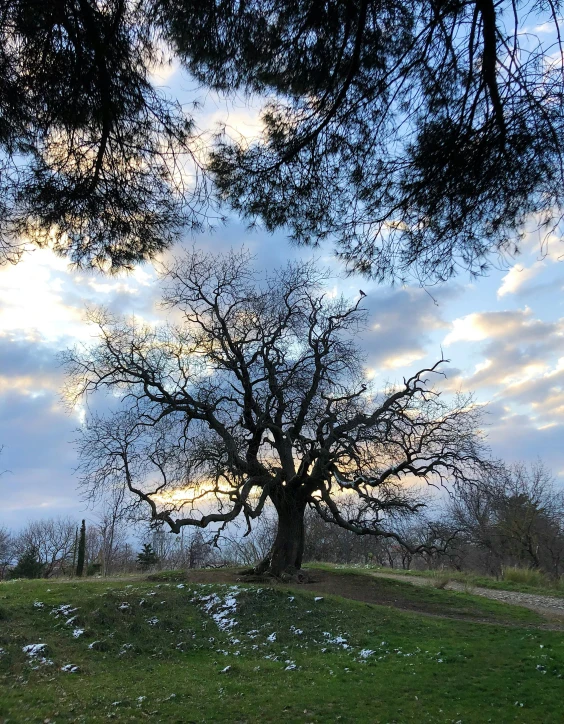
x: 503, y: 335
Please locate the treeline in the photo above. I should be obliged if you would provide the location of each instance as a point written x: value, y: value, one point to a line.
x: 51, y: 548
x: 515, y: 518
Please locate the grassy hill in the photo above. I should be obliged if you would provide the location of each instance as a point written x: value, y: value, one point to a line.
x: 182, y: 651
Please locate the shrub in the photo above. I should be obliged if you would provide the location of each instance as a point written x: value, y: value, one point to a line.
x: 28, y: 565
x: 527, y: 576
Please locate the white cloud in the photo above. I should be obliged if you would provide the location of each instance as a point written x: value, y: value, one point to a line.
x: 517, y: 276
x: 466, y: 329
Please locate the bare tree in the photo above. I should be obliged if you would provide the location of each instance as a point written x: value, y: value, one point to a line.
x: 112, y: 527
x: 259, y: 394
x: 6, y: 548
x: 514, y: 518
x: 53, y: 539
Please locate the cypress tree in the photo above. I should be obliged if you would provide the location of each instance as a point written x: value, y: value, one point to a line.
x: 81, y: 549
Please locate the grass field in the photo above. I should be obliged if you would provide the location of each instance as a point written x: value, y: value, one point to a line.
x: 180, y: 651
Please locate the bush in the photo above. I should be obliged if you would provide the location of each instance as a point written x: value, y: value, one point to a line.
x: 28, y: 565
x: 527, y: 576
x: 93, y: 569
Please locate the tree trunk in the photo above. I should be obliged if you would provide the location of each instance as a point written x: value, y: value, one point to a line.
x: 288, y: 547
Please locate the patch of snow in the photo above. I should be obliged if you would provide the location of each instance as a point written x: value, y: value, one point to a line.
x: 221, y: 609
x: 34, y: 653
x: 153, y: 621
x: 64, y: 609
x: 225, y: 670
x: 40, y: 604
x: 124, y: 606
x: 272, y: 637
x: 69, y: 668
x: 91, y: 646
x: 77, y: 632
x: 365, y: 653
x: 34, y: 649
x: 318, y: 598
x: 338, y: 640
x: 181, y: 585
x: 296, y: 631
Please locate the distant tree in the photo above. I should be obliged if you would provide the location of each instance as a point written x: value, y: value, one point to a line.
x: 81, y: 549
x: 29, y: 565
x: 54, y: 541
x: 147, y: 556
x: 515, y: 518
x: 260, y: 395
x: 6, y: 549
x: 112, y: 527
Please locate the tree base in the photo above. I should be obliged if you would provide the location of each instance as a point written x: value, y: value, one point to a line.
x: 263, y: 572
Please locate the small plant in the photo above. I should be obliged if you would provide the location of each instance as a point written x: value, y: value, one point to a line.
x: 440, y: 581
x: 147, y: 557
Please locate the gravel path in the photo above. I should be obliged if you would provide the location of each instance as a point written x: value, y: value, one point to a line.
x: 550, y: 606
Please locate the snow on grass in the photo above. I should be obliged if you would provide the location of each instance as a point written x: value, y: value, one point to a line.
x: 35, y: 652
x: 337, y: 640
x: 220, y: 607
x: 77, y: 632
x: 70, y: 669
x: 63, y: 611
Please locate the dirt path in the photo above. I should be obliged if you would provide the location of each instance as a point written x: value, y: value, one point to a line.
x: 549, y: 606
x: 364, y: 587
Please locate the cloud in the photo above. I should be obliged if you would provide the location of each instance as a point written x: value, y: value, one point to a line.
x: 517, y: 277
x: 401, y: 323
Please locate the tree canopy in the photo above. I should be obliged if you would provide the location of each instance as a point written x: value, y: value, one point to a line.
x: 417, y: 136
x: 257, y: 396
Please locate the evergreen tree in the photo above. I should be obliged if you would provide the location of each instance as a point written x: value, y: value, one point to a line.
x: 29, y: 565
x: 81, y: 549
x: 147, y: 557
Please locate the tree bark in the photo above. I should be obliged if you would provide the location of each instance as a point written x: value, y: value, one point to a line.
x: 288, y: 548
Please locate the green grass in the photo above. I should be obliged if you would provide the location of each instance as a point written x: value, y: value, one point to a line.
x: 423, y: 669
x: 513, y: 579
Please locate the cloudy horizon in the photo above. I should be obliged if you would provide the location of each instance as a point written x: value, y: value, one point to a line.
x: 503, y: 335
